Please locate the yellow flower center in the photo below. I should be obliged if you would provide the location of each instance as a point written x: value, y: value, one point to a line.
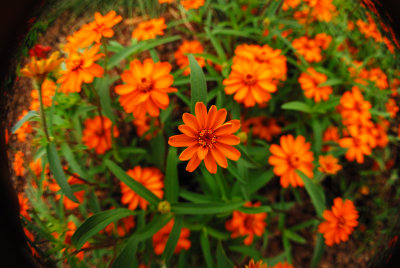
x: 206, y: 137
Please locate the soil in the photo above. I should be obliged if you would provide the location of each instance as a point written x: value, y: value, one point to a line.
x: 343, y: 255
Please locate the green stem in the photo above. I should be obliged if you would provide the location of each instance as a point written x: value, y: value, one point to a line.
x: 42, y: 114
x: 106, y: 53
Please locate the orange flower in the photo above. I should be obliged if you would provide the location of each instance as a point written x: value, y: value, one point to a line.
x: 36, y: 167
x: 123, y: 227
x: 192, y: 4
x: 251, y: 82
x: 24, y: 206
x: 24, y: 129
x: 248, y: 225
x: 290, y: 4
x: 189, y: 47
x: 381, y: 134
x: 357, y: 145
x: 71, y: 228
x: 146, y: 89
x: 369, y: 29
x: 262, y: 127
x: 101, y: 26
x: 331, y: 134
x: 97, y: 134
x: 259, y: 264
x: 48, y: 90
x: 310, y: 83
x: 31, y: 239
x: 142, y: 125
x: 354, y: 109
x: 165, y: 1
x: 282, y: 265
x: 81, y: 68
x: 6, y: 136
x: 392, y: 108
x: 38, y: 69
x: 323, y: 40
x: 377, y: 76
x: 388, y: 44
x: 68, y: 203
x: 293, y: 154
x: 149, y: 177
x: 308, y: 48
x: 18, y: 163
x: 265, y: 55
x: 149, y: 29
x: 207, y: 137
x: 328, y: 164
x: 161, y: 237
x: 322, y: 10
x: 339, y: 222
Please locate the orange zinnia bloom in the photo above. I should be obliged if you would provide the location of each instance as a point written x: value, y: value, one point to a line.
x: 80, y: 195
x: 322, y: 10
x: 248, y: 225
x: 189, y: 47
x: 38, y: 69
x: 165, y: 1
x: 392, y: 108
x: 24, y: 129
x: 146, y: 89
x: 331, y: 134
x: 81, y: 68
x: 48, y: 90
x: 251, y: 83
x: 310, y: 83
x: 192, y: 4
x: 270, y: 58
x: 293, y: 154
x: 97, y: 134
x: 377, y: 76
x: 142, y: 125
x: 259, y: 264
x: 101, y: 26
x: 36, y: 167
x: 24, y: 206
x: 262, y: 127
x: 290, y: 4
x: 208, y: 138
x: 323, y: 40
x: 161, y: 237
x: 282, y: 265
x: 30, y: 236
x: 149, y: 177
x: 354, y: 109
x: 149, y: 29
x: 308, y: 48
x: 339, y: 222
x: 71, y: 228
x: 328, y: 164
x: 124, y: 225
x: 18, y: 163
x: 357, y: 144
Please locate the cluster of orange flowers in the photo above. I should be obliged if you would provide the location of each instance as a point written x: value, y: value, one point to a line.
x: 310, y: 48
x: 256, y: 71
x: 24, y: 129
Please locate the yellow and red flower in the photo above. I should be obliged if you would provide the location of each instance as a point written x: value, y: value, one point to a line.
x: 208, y: 138
x: 39, y: 68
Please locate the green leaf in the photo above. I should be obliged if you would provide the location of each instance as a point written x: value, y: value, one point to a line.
x: 171, y: 177
x: 256, y: 183
x: 69, y: 156
x: 315, y: 192
x: 331, y: 82
x: 96, y: 223
x: 255, y: 210
x: 194, y: 197
x: 131, y: 183
x: 222, y: 260
x: 205, y: 208
x: 58, y: 172
x: 294, y: 236
x: 318, y: 251
x: 205, y: 247
x: 247, y: 251
x: 103, y: 88
x: 318, y: 132
x: 173, y: 239
x: 297, y: 106
x: 127, y: 257
x: 27, y: 117
x: 197, y: 83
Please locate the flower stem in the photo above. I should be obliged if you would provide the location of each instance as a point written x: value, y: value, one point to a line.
x: 42, y: 114
x: 106, y: 53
